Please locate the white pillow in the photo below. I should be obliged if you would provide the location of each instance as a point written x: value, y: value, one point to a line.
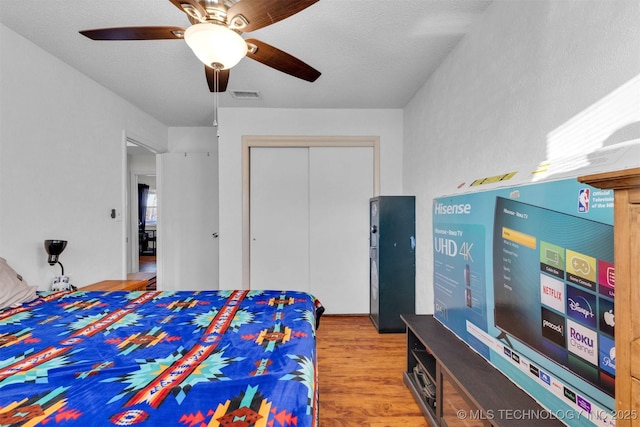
x: 13, y: 289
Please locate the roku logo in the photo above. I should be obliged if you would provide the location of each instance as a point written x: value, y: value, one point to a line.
x: 583, y: 342
x: 575, y: 335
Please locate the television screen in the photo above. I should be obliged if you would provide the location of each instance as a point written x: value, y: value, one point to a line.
x: 553, y: 279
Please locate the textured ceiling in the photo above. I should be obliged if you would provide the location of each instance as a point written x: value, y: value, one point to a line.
x: 372, y: 53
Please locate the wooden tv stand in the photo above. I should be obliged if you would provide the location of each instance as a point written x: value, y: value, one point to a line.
x: 468, y: 390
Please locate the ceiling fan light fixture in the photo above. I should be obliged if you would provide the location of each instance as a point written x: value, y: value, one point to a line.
x: 216, y: 44
x: 192, y: 11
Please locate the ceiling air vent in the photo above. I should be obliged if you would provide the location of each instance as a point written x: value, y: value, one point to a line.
x: 246, y: 94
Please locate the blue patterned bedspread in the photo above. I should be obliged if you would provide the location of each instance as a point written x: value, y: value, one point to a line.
x: 208, y: 358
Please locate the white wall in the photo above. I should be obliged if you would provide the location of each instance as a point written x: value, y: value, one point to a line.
x: 144, y: 164
x: 62, y: 165
x: 234, y: 123
x: 522, y: 72
x: 193, y: 140
x: 526, y: 69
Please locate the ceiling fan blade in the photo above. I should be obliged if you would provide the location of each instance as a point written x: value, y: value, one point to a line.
x: 281, y: 61
x: 223, y: 79
x: 191, y: 8
x: 135, y: 33
x: 251, y: 15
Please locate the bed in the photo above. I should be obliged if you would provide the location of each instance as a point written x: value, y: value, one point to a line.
x: 209, y: 358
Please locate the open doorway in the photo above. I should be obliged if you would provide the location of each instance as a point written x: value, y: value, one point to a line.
x: 142, y: 204
x: 147, y: 223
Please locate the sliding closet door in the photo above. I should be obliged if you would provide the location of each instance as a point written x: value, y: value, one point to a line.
x: 309, y: 222
x: 279, y: 218
x: 340, y: 186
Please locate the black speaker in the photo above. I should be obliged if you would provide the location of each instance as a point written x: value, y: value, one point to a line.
x: 392, y: 261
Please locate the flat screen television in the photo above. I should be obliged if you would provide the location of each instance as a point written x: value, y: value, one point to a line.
x: 553, y: 283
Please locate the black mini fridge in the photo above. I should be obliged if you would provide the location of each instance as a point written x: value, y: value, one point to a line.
x: 392, y: 261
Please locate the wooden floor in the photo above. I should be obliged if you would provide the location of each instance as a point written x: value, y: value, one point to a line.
x: 360, y: 376
x: 147, y: 263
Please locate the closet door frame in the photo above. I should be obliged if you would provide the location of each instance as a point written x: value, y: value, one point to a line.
x: 274, y: 141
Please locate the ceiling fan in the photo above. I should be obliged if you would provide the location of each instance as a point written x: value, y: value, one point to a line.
x: 215, y: 36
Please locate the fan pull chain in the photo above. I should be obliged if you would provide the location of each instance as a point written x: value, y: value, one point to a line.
x: 216, y: 74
